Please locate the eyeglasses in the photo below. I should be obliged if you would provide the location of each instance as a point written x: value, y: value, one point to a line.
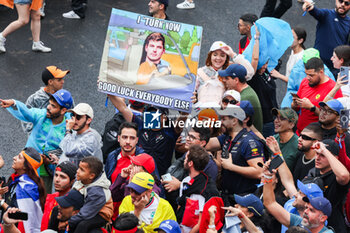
x: 307, y: 138
x: 345, y: 3
x: 226, y: 101
x: 192, y: 138
x: 328, y: 111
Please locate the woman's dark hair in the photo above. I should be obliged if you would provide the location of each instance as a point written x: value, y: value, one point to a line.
x: 29, y: 170
x: 343, y: 52
x: 208, y: 60
x: 301, y: 34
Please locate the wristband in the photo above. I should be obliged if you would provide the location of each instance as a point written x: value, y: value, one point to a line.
x: 240, y: 215
x: 211, y: 226
x: 256, y: 37
x: 277, y: 153
x: 267, y: 177
x: 70, y: 131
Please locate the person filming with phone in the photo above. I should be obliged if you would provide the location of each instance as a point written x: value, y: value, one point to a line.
x: 313, y: 89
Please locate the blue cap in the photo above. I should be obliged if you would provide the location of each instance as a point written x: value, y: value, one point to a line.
x: 252, y: 202
x: 321, y: 204
x: 247, y: 107
x: 169, y: 226
x: 311, y: 190
x: 234, y: 70
x: 72, y: 198
x: 333, y: 104
x: 63, y: 98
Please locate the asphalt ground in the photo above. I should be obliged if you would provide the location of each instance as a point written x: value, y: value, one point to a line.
x: 77, y: 45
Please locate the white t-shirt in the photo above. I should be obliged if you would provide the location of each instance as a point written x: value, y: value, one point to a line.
x: 292, y: 60
x: 200, y: 198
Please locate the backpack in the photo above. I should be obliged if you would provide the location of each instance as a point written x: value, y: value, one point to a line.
x: 110, y: 135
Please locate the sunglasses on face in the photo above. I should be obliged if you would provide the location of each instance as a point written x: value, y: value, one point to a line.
x: 77, y: 117
x: 307, y: 138
x: 227, y: 101
x: 345, y: 3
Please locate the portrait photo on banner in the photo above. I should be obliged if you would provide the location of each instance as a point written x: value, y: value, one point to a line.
x: 150, y: 60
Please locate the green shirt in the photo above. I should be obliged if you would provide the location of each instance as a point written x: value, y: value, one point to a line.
x: 250, y: 95
x: 289, y: 150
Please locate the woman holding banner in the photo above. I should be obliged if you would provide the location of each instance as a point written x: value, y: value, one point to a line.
x: 26, y: 9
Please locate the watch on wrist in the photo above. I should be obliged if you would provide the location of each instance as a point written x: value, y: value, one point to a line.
x: 211, y: 226
x: 256, y: 37
x: 313, y: 109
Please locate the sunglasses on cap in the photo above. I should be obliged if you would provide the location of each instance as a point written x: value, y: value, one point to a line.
x: 307, y: 138
x: 345, y: 3
x: 227, y: 101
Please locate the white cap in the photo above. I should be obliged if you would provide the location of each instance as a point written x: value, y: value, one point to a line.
x: 83, y: 109
x: 234, y: 111
x: 234, y: 94
x: 217, y: 45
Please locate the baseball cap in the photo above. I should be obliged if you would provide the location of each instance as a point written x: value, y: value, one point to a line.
x: 310, y: 53
x: 52, y: 72
x: 234, y: 70
x: 234, y: 94
x: 141, y: 182
x: 83, y: 109
x: 333, y: 104
x: 252, y: 202
x: 321, y: 204
x: 136, y: 104
x: 68, y: 168
x: 152, y: 108
x: 33, y: 157
x: 165, y: 2
x: 169, y: 226
x: 232, y: 110
x: 144, y: 160
x: 63, y: 98
x: 72, y: 198
x: 217, y: 45
x: 332, y: 146
x: 311, y: 190
x: 247, y: 107
x: 287, y: 113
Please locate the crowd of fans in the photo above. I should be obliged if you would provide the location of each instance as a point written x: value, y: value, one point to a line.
x: 265, y: 169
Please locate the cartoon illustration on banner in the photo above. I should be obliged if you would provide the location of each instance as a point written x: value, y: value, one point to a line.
x: 150, y: 60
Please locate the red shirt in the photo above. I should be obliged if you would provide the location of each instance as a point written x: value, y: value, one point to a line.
x: 315, y: 95
x: 123, y: 162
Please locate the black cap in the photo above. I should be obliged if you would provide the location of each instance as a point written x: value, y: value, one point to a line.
x: 332, y: 146
x: 69, y: 168
x: 72, y: 198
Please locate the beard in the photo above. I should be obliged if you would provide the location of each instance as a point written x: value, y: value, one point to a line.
x: 307, y: 224
x: 81, y: 126
x: 53, y: 116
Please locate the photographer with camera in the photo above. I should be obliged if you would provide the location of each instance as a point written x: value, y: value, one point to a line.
x: 241, y: 153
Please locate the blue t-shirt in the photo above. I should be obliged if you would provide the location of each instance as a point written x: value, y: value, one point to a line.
x: 332, y: 30
x: 245, y: 148
x: 296, y: 220
x: 160, y: 144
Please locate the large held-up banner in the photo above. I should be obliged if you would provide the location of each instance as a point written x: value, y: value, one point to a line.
x: 150, y: 60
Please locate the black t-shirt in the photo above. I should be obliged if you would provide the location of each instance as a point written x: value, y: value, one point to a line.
x: 265, y: 87
x: 336, y: 194
x: 332, y: 133
x: 302, y: 167
x: 53, y: 223
x: 245, y: 148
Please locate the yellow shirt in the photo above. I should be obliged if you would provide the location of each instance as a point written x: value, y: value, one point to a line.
x: 162, y: 211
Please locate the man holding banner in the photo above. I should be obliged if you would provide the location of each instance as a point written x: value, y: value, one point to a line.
x: 151, y: 63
